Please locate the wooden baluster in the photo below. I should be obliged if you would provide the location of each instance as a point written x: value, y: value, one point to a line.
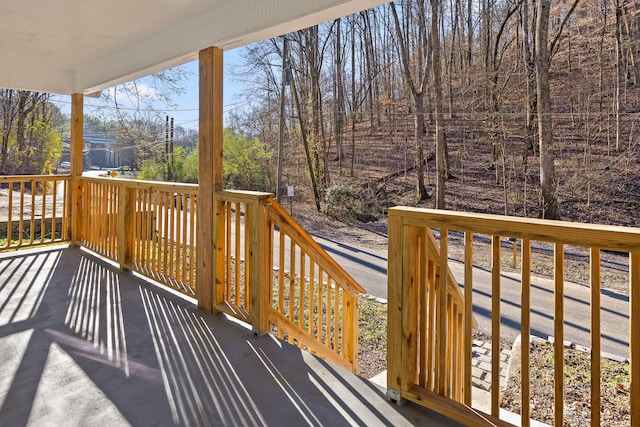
x: 248, y: 219
x: 43, y: 228
x: 525, y: 323
x: 281, y: 279
x: 312, y: 293
x: 172, y: 234
x: 54, y: 208
x: 228, y: 251
x: 495, y: 326
x: 65, y: 206
x: 21, y: 221
x: 327, y: 322
x: 32, y: 221
x: 301, y: 290
x: 113, y: 224
x: 139, y: 233
x: 185, y: 240
x: 9, y: 215
x: 148, y: 230
x: 422, y: 275
x: 292, y: 280
x: 558, y: 326
x: 468, y: 314
x: 176, y: 243
x: 153, y: 254
x: 193, y: 242
x: 442, y: 312
x: 431, y: 333
x: 595, y: 336
x: 166, y: 234
x: 336, y: 317
x: 634, y: 336
x: 238, y: 246
x: 451, y: 347
x: 318, y: 333
x: 105, y: 220
x: 246, y: 238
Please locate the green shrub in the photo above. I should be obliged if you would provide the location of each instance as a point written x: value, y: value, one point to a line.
x: 343, y: 202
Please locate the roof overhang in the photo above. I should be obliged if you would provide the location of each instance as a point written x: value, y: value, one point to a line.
x: 83, y: 46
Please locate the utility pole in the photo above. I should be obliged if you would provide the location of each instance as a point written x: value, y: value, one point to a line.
x: 281, y: 125
x: 166, y: 148
x: 170, y: 164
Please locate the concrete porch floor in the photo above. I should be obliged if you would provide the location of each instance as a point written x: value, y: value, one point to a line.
x: 83, y: 344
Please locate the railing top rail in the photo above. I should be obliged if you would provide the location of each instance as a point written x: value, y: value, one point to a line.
x: 617, y: 238
x: 135, y: 183
x: 310, y: 246
x: 241, y: 195
x: 13, y: 178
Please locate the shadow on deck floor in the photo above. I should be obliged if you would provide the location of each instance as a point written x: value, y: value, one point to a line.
x: 83, y: 344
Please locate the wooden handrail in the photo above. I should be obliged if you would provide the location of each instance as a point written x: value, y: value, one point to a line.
x: 280, y: 217
x: 26, y: 178
x: 134, y: 183
x: 608, y: 237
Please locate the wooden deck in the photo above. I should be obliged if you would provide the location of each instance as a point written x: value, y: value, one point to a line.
x: 83, y: 344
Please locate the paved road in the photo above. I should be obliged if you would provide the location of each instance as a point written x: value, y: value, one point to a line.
x: 369, y: 268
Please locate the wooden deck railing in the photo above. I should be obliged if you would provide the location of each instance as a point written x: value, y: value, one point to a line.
x: 272, y: 274
x: 147, y: 227
x: 303, y: 296
x: 34, y: 210
x: 242, y: 269
x: 411, y: 307
x: 435, y: 362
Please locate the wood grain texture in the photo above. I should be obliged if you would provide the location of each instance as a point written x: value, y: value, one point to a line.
x: 75, y: 195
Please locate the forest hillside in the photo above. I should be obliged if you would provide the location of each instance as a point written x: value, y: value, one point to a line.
x: 446, y: 104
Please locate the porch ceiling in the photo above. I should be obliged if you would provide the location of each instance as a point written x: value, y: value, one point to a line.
x: 81, y: 46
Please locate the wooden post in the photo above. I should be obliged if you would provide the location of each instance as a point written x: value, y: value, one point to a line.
x: 410, y: 283
x: 395, y: 307
x: 260, y: 265
x: 77, y: 116
x: 209, y: 178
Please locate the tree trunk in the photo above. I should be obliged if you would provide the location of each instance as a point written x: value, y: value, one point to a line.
x: 281, y: 122
x: 339, y: 94
x: 418, y: 126
x: 529, y: 55
x: 618, y: 68
x: 441, y: 169
x: 417, y: 92
x: 305, y: 143
x: 548, y: 183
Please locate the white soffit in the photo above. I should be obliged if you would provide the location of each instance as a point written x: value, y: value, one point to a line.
x: 81, y: 46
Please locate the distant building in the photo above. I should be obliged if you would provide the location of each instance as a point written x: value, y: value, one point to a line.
x: 102, y: 152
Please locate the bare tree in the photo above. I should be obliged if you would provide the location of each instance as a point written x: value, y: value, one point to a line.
x: 416, y: 82
x: 548, y: 183
x: 436, y: 65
